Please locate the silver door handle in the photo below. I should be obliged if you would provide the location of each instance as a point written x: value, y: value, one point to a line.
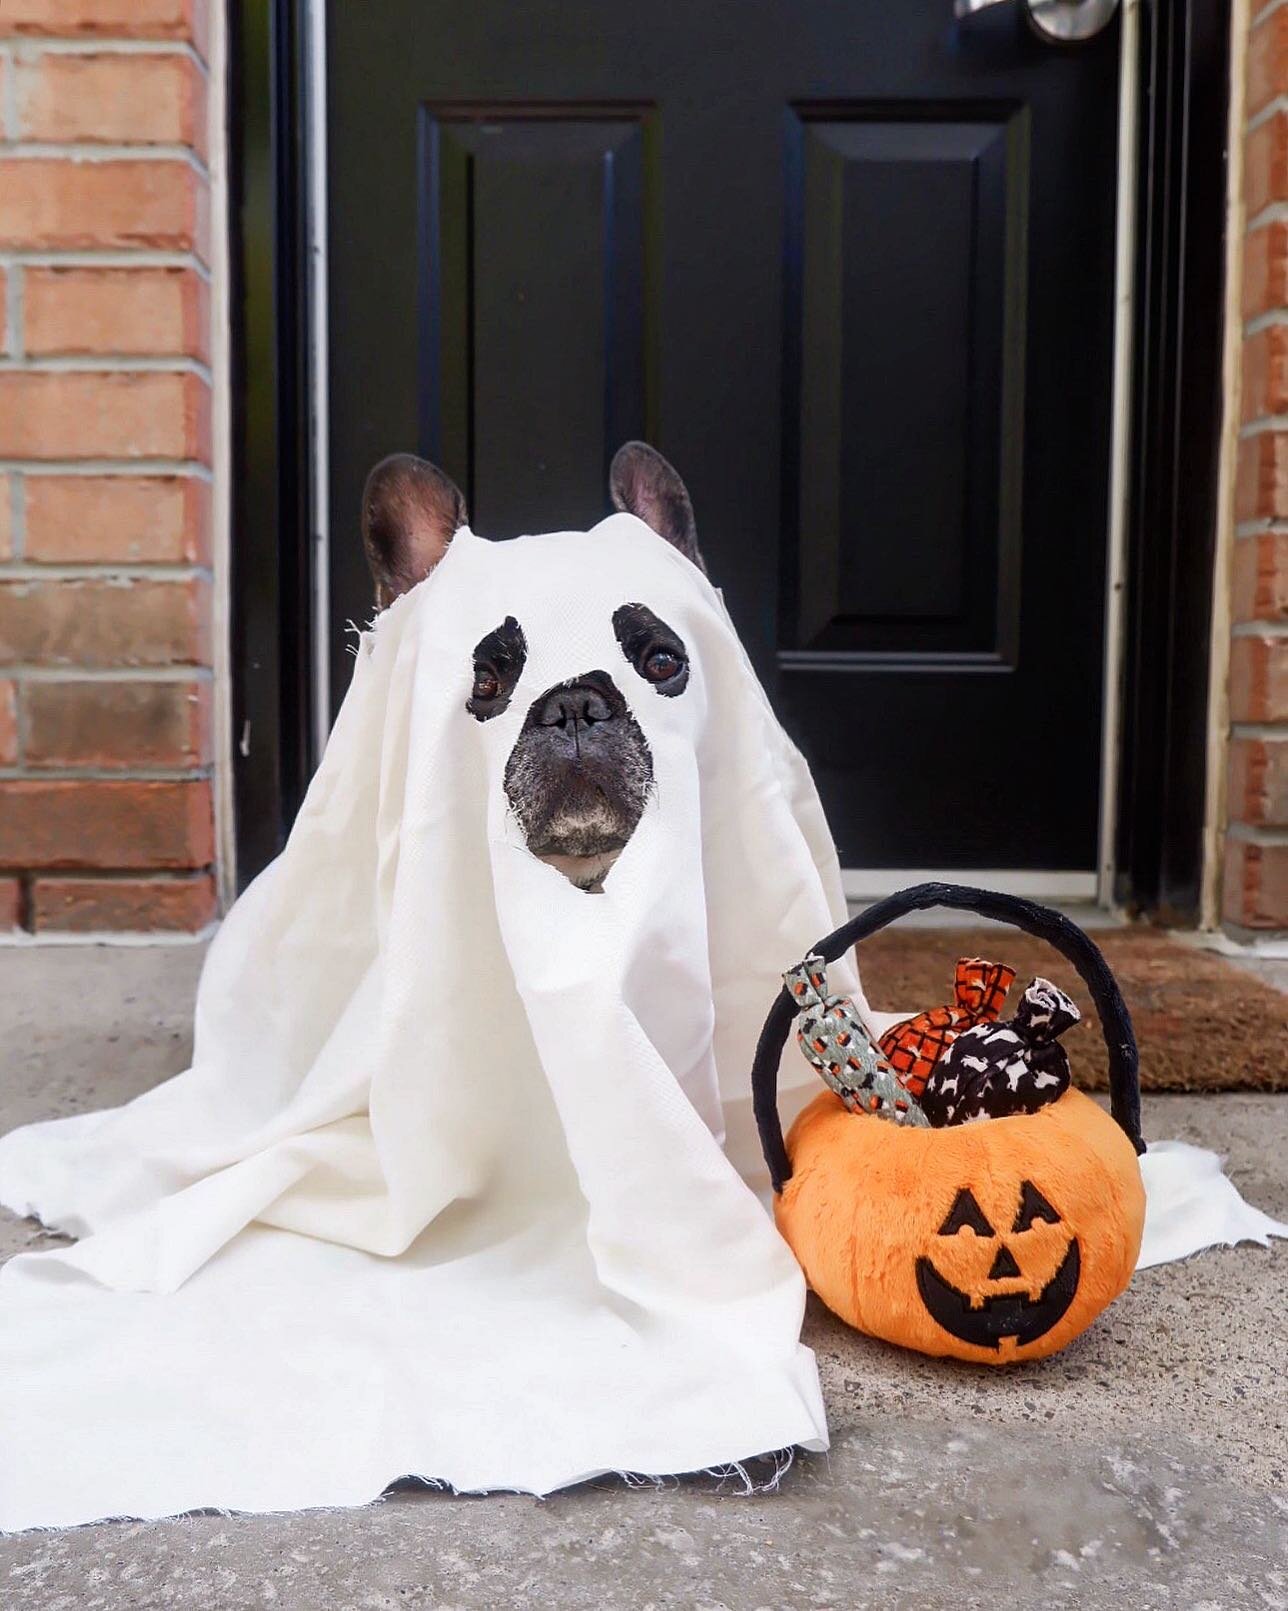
x: 1066, y: 21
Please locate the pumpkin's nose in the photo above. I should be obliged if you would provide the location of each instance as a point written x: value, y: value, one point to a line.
x: 1003, y: 1265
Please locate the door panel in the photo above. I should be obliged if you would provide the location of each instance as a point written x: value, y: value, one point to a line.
x: 533, y: 269
x: 849, y: 265
x: 890, y: 560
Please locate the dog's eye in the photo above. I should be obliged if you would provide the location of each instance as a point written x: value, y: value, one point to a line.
x: 487, y: 685
x: 661, y: 665
x: 653, y: 648
x: 498, y: 663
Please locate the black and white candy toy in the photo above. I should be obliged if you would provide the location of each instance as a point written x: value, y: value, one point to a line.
x: 995, y: 1070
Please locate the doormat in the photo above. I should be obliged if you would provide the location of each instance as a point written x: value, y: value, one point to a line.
x: 1202, y: 1024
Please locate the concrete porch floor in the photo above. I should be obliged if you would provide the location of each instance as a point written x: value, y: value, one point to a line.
x: 1145, y: 1466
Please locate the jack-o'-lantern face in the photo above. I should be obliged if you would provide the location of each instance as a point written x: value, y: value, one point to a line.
x: 987, y: 1282
x: 992, y: 1242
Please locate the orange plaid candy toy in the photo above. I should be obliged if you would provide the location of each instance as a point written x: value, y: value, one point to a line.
x: 913, y: 1047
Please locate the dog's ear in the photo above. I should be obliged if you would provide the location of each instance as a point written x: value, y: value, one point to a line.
x: 642, y: 483
x: 410, y: 513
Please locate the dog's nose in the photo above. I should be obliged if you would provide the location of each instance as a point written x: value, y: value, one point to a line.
x: 581, y: 704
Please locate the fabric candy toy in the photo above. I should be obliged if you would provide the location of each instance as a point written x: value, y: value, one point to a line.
x: 913, y: 1047
x: 994, y: 1070
x: 835, y: 1039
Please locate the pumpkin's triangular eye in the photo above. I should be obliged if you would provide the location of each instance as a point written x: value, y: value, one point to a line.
x: 1033, y: 1205
x: 966, y: 1211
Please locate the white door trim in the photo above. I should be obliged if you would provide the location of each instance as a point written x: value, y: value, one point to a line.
x: 315, y: 88
x: 874, y: 883
x: 1120, y: 446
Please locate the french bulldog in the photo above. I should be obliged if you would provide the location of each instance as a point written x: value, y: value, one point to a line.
x: 580, y: 772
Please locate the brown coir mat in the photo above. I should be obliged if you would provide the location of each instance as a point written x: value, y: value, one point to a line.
x: 1202, y: 1024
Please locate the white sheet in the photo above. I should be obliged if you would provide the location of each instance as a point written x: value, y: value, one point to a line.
x: 443, y: 1193
x: 1190, y: 1205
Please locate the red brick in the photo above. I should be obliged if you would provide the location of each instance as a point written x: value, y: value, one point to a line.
x: 5, y: 333
x: 1265, y: 159
x: 6, y: 517
x: 1261, y: 486
x: 127, y: 19
x: 110, y: 623
x: 120, y: 99
x: 145, y: 311
x: 1259, y: 679
x: 1265, y: 372
x: 105, y: 824
x: 1255, y: 887
x: 10, y: 903
x: 136, y: 520
x: 87, y: 905
x: 1265, y: 267
x: 1267, y: 61
x: 1259, y: 781
x: 59, y: 202
x: 1259, y: 578
x: 117, y: 724
x: 63, y: 414
x: 8, y: 723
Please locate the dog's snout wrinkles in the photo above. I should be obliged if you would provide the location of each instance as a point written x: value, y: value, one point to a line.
x: 580, y: 704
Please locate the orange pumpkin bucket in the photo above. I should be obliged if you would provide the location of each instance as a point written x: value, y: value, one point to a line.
x: 992, y: 1241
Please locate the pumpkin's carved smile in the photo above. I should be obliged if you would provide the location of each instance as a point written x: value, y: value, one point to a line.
x: 1001, y: 1314
x: 1008, y: 1314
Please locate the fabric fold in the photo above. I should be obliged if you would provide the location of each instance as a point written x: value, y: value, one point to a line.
x: 453, y: 1186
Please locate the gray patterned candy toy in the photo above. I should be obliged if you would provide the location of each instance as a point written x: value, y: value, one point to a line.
x: 835, y: 1039
x: 995, y: 1070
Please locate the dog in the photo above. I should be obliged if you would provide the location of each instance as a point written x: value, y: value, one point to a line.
x: 580, y: 773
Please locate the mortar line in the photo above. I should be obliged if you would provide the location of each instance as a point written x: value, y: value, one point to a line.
x: 15, y: 309
x: 10, y: 94
x: 1266, y: 321
x: 18, y: 516
x: 1274, y: 212
x: 91, y: 364
x: 103, y: 571
x: 1248, y: 833
x: 1259, y: 629
x: 126, y: 773
x: 20, y: 720
x: 1267, y: 113
x: 125, y: 467
x: 89, y: 151
x: 31, y: 50
x: 1264, y: 527
x: 36, y: 673
x: 145, y: 257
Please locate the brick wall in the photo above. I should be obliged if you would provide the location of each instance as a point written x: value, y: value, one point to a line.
x: 105, y: 447
x: 1255, y: 884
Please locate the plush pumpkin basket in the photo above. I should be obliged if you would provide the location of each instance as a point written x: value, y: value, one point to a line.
x: 990, y: 1241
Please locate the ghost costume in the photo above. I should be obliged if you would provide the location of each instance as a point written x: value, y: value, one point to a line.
x: 462, y: 1182
x: 455, y: 1186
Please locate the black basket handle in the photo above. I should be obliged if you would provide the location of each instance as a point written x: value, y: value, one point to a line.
x: 1067, y: 938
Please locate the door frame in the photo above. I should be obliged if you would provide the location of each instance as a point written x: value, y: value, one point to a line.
x: 1163, y: 517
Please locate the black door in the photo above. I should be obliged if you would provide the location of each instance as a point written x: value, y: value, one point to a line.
x: 849, y: 264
